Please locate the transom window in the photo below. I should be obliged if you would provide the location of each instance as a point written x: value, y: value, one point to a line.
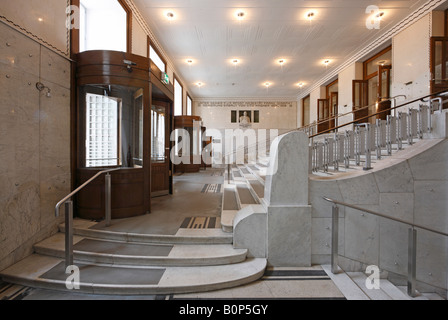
x: 158, y: 61
x: 178, y: 94
x: 103, y: 26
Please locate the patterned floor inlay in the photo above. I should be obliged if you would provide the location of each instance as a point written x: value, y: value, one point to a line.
x: 211, y: 188
x: 201, y: 223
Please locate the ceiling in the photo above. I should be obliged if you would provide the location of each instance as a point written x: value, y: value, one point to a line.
x: 209, y: 33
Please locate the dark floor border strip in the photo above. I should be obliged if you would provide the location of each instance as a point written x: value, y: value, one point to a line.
x: 294, y: 279
x: 300, y: 273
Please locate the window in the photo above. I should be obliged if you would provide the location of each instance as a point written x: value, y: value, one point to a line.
x: 112, y: 126
x: 155, y: 57
x: 189, y: 106
x: 102, y: 136
x: 103, y: 26
x: 178, y: 95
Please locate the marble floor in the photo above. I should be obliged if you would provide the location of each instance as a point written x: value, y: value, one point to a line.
x: 277, y: 284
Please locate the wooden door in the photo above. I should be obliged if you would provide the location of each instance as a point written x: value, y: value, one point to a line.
x: 323, y: 113
x: 439, y: 65
x: 333, y: 109
x: 384, y: 83
x: 160, y: 149
x: 360, y: 99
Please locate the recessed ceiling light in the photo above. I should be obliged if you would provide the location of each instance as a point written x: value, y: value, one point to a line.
x: 235, y: 61
x: 267, y: 84
x: 240, y: 15
x: 379, y: 15
x: 190, y: 61
x: 170, y: 15
x: 310, y: 15
x: 327, y: 62
x: 281, y: 61
x: 40, y: 19
x: 300, y: 84
x: 199, y: 84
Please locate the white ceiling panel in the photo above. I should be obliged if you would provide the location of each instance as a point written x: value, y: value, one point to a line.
x: 208, y: 32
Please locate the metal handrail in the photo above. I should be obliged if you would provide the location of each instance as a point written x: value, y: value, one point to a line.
x: 69, y: 211
x: 412, y: 241
x: 437, y: 94
x: 384, y: 216
x: 335, y: 117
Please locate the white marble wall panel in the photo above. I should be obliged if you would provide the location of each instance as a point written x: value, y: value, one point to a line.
x: 45, y: 19
x: 16, y: 50
x: 364, y: 191
x: 431, y: 204
x: 393, y: 246
x: 430, y: 165
x: 54, y: 151
x: 397, y: 178
x: 54, y: 69
x: 320, y: 189
x: 432, y: 258
x: 398, y: 205
x: 289, y: 236
x: 321, y: 236
x: 362, y: 235
x: 34, y: 142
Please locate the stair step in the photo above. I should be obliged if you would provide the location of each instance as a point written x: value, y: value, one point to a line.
x: 49, y: 273
x: 245, y: 195
x: 374, y: 294
x: 84, y: 228
x: 115, y: 252
x: 345, y: 284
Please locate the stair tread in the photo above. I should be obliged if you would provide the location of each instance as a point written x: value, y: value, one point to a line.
x: 47, y: 272
x: 85, y: 228
x: 115, y: 248
x: 375, y: 294
x: 245, y: 195
x: 346, y: 285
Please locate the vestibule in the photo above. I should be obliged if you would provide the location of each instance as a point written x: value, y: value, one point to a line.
x: 116, y: 93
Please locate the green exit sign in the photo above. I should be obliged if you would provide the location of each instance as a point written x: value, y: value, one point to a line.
x: 165, y: 78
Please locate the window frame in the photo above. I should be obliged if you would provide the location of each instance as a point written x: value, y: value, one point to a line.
x: 75, y: 33
x: 157, y: 51
x: 191, y: 100
x: 175, y: 79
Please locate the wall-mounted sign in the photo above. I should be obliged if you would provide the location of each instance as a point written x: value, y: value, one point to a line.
x: 165, y: 78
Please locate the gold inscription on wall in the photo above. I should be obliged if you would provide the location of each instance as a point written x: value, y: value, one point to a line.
x: 244, y: 104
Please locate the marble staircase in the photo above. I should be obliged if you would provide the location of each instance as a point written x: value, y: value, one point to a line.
x: 113, y: 262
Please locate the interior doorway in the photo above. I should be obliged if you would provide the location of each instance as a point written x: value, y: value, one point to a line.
x: 160, y: 148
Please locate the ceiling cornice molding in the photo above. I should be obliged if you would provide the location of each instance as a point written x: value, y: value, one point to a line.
x: 136, y: 14
x: 419, y: 13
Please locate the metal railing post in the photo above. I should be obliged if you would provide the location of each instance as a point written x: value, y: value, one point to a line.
x: 334, y: 239
x: 68, y: 234
x: 108, y: 198
x: 368, y: 152
x: 412, y: 261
